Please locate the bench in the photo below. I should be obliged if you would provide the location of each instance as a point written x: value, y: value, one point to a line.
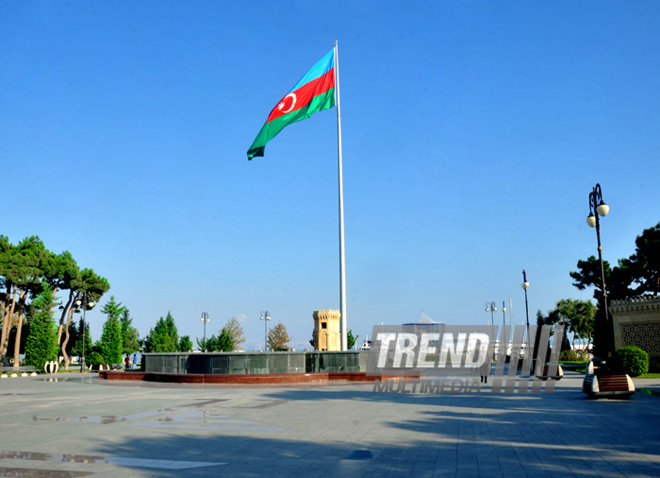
x: 599, y: 384
x: 612, y: 383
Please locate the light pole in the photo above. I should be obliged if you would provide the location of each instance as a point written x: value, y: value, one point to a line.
x: 205, y: 319
x: 265, y: 316
x: 503, y: 313
x: 86, y: 304
x: 490, y: 307
x: 597, y: 207
x: 525, y: 285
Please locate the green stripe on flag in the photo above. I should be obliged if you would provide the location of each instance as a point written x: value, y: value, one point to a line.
x: 271, y: 129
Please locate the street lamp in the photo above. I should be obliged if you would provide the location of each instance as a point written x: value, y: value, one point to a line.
x: 85, y: 304
x: 597, y: 207
x: 503, y: 313
x: 525, y: 285
x: 205, y: 319
x: 490, y: 307
x: 265, y: 316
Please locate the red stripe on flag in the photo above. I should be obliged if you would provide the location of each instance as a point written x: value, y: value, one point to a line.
x: 301, y: 97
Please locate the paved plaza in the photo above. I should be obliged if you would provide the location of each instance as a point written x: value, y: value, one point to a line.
x: 74, y: 425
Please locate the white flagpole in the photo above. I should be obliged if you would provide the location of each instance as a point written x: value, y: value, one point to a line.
x: 511, y: 312
x: 342, y: 257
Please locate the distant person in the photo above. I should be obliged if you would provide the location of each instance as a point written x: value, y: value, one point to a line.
x: 484, y: 369
x: 127, y: 362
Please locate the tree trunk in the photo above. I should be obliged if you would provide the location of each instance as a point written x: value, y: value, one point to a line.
x: 67, y: 360
x: 7, y: 323
x: 53, y: 301
x: 17, y: 344
x: 64, y: 311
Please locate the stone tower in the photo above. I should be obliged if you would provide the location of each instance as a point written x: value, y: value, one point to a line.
x: 326, y: 330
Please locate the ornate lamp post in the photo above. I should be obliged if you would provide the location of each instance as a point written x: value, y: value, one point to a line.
x: 205, y: 319
x: 525, y: 285
x: 597, y: 207
x: 86, y: 305
x: 490, y: 307
x: 265, y: 316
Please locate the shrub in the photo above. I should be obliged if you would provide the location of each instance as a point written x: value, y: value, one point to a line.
x: 632, y: 360
x: 574, y: 356
x: 95, y: 358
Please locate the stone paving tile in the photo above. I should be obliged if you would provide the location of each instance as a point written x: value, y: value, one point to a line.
x: 314, y: 431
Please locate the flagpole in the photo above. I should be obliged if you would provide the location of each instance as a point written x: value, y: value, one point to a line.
x: 342, y: 257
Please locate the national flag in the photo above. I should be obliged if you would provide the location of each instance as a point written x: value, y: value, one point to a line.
x: 314, y: 92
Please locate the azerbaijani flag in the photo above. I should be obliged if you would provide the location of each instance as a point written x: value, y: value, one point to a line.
x: 314, y: 92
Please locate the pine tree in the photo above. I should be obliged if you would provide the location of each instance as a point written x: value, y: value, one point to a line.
x: 350, y: 340
x: 77, y: 349
x: 164, y: 337
x: 130, y: 337
x: 41, y: 342
x: 112, y: 347
x: 225, y: 341
x: 185, y: 344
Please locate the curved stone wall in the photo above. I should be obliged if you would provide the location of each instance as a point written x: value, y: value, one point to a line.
x: 255, y: 362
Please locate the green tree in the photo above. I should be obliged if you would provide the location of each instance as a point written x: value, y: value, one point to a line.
x: 235, y: 330
x: 61, y: 274
x: 225, y: 341
x: 278, y: 338
x: 86, y: 289
x: 41, y: 342
x: 112, y: 344
x: 642, y: 269
x: 21, y: 270
x: 164, y: 337
x: 59, y: 270
x: 633, y: 277
x: 130, y: 337
x: 113, y: 309
x: 203, y: 345
x: 77, y: 348
x: 577, y: 316
x: 350, y: 340
x: 221, y: 343
x: 185, y: 344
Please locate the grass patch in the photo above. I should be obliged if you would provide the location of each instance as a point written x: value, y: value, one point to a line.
x: 649, y: 375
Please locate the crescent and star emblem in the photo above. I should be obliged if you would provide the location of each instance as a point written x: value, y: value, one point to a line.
x: 293, y: 103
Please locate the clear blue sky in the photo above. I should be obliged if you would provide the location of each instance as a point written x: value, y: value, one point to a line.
x: 473, y: 133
